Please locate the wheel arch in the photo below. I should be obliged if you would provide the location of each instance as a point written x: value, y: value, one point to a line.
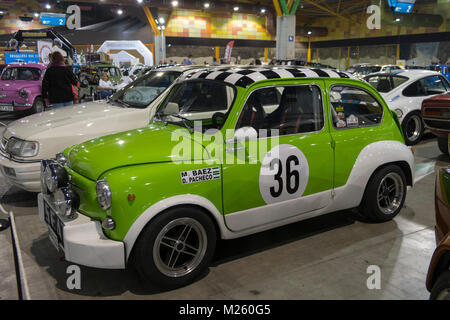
x: 441, y: 266
x: 201, y: 203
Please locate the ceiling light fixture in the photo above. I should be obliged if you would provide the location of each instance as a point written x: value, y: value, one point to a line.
x: 48, y: 6
x: 236, y: 8
x: 174, y: 3
x: 206, y: 5
x: 120, y: 12
x: 263, y: 10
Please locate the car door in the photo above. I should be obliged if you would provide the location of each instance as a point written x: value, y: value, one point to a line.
x: 285, y: 168
x: 356, y: 115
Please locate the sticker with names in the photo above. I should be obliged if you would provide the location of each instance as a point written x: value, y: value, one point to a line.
x: 200, y: 175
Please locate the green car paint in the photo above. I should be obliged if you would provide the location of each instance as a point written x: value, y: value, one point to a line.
x: 141, y: 161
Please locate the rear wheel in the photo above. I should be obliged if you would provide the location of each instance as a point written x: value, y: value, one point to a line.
x: 413, y: 128
x: 176, y: 247
x: 441, y: 289
x: 443, y: 145
x: 385, y: 194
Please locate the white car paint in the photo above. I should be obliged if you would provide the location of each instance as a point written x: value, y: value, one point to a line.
x: 58, y: 129
x: 397, y: 101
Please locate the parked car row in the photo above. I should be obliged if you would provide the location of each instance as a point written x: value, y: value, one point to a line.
x: 116, y: 190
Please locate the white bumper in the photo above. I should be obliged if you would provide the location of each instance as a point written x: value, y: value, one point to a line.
x: 23, y: 175
x: 84, y: 243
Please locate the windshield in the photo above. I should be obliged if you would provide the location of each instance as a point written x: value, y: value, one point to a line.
x: 368, y: 69
x: 198, y: 100
x: 22, y: 73
x: 143, y: 91
x: 385, y: 83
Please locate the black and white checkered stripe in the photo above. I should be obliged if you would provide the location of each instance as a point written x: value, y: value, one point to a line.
x: 244, y: 77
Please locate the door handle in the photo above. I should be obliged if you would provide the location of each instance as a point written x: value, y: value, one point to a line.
x: 232, y: 150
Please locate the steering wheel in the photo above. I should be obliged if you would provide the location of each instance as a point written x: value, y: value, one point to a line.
x: 215, y: 117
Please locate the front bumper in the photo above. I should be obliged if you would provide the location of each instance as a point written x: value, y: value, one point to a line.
x: 83, y: 241
x: 25, y: 175
x: 14, y: 106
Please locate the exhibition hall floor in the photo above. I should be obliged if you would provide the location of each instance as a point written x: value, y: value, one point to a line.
x: 322, y: 258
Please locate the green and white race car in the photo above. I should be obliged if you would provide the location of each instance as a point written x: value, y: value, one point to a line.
x: 230, y: 152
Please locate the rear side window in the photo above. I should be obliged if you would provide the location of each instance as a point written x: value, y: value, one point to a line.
x: 352, y: 107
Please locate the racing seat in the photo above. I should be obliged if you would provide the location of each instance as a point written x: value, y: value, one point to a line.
x: 253, y: 114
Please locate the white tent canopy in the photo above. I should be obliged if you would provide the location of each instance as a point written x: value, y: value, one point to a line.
x: 107, y: 46
x: 123, y: 57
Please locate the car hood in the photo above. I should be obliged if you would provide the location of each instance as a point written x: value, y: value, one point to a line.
x: 49, y: 123
x: 15, y: 86
x: 151, y: 144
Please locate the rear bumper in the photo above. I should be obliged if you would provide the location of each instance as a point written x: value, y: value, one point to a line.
x: 26, y: 176
x: 84, y: 243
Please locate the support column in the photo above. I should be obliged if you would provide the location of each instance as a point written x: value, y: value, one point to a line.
x: 286, y: 25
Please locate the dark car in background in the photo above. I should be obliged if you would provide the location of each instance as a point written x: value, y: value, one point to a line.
x: 438, y: 278
x: 2, y: 66
x: 436, y: 116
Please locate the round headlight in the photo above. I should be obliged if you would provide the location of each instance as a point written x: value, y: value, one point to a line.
x: 23, y: 93
x: 103, y: 194
x: 399, y: 113
x: 55, y: 176
x: 66, y: 202
x: 50, y: 180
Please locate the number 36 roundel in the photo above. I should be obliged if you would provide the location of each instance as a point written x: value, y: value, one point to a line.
x: 284, y: 174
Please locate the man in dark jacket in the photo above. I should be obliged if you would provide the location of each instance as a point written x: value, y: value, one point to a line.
x: 57, y: 82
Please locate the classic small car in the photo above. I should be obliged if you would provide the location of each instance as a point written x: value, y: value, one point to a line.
x: 438, y: 279
x: 20, y: 88
x: 29, y: 140
x: 404, y: 92
x: 436, y: 116
x: 230, y: 152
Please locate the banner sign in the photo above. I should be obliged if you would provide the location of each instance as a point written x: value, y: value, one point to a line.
x: 53, y: 19
x: 25, y: 57
x: 228, y: 51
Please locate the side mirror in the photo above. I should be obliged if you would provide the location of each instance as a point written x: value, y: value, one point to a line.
x: 245, y: 133
x: 172, y: 108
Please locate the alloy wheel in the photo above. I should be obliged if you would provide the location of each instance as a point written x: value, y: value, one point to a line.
x: 390, y: 193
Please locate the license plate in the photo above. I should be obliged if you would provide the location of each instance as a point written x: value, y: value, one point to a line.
x: 6, y: 108
x: 55, y: 226
x: 53, y: 238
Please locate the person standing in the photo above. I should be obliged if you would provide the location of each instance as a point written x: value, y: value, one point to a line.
x: 58, y: 81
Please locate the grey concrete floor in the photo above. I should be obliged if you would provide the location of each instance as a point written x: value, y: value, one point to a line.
x: 321, y: 258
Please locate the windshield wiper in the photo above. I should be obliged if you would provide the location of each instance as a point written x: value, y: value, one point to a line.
x: 185, y: 121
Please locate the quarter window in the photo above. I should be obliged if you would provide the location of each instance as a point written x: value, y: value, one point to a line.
x: 352, y: 107
x: 290, y: 110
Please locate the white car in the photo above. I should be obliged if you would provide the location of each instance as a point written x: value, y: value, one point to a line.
x: 27, y: 141
x: 404, y: 92
x: 367, y: 69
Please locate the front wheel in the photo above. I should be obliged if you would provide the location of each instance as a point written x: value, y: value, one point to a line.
x: 176, y: 247
x: 385, y: 194
x: 413, y: 128
x: 38, y: 106
x: 443, y: 145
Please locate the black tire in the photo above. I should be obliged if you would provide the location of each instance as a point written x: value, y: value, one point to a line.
x: 413, y: 128
x: 377, y: 196
x: 38, y: 106
x: 440, y: 287
x: 443, y: 145
x: 170, y: 225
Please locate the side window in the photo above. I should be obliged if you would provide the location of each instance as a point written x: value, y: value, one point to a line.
x: 434, y: 85
x: 415, y: 89
x: 291, y: 110
x: 352, y: 107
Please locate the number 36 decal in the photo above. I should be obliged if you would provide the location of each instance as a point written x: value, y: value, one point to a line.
x: 284, y: 174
